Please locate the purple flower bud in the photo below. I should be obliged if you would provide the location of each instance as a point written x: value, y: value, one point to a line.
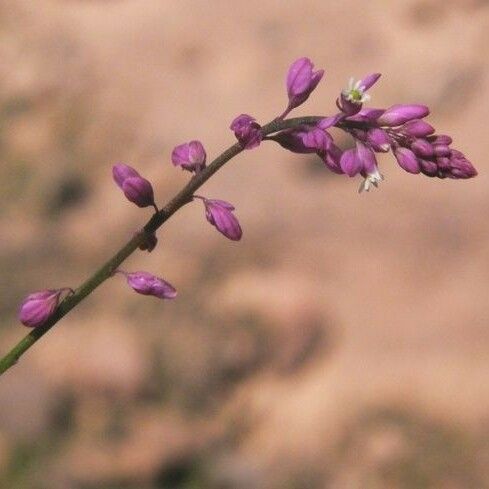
x: 219, y: 214
x: 379, y: 140
x: 441, y: 150
x: 150, y: 242
x: 440, y: 139
x: 247, y: 131
x: 136, y: 188
x: 301, y: 81
x: 407, y: 160
x: 460, y: 167
x: 120, y: 172
x: 422, y: 148
x: 417, y: 128
x: 428, y: 167
x: 350, y: 163
x: 190, y: 156
x: 147, y: 284
x: 38, y: 307
x: 402, y: 113
x: 139, y: 191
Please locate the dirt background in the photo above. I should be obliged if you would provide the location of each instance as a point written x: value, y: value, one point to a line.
x: 344, y: 343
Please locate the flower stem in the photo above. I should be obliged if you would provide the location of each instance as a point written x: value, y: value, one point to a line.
x: 158, y: 219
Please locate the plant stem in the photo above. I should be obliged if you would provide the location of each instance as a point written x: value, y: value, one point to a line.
x: 107, y: 270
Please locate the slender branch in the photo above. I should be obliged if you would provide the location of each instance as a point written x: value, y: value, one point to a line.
x: 161, y: 216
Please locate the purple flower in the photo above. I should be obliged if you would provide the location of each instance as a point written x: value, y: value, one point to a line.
x: 147, y: 284
x: 136, y: 188
x: 354, y: 96
x: 219, y: 214
x: 247, y: 131
x: 301, y: 81
x: 38, y: 307
x: 190, y: 156
x: 402, y: 113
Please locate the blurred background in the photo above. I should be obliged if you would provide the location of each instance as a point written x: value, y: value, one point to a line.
x: 343, y: 343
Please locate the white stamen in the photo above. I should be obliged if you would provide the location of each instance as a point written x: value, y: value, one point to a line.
x: 373, y: 178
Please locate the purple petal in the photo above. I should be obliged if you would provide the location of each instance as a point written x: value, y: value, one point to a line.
x: 366, y: 157
x: 369, y: 81
x: 247, y: 131
x: 378, y: 139
x: 332, y: 159
x: 402, y: 113
x: 190, y: 156
x: 219, y: 214
x: 38, y: 307
x: 407, y: 160
x: 139, y: 191
x: 367, y: 115
x: 417, y: 128
x: 301, y: 81
x: 331, y: 121
x: 350, y: 163
x: 317, y: 139
x: 422, y: 148
x: 120, y: 172
x: 147, y: 284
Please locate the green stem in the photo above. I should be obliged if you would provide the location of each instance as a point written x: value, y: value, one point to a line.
x: 105, y: 271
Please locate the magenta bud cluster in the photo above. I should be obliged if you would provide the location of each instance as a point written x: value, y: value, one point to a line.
x: 400, y: 129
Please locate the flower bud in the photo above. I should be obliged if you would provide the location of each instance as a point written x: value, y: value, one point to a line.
x: 247, y: 131
x: 136, y: 188
x: 139, y: 191
x: 219, y: 214
x: 461, y: 167
x: 38, y: 307
x: 190, y: 156
x: 407, y: 160
x: 402, y: 113
x: 147, y: 284
x: 301, y: 81
x: 422, y: 148
x: 417, y: 128
x: 120, y: 172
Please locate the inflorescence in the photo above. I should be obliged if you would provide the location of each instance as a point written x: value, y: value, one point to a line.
x: 400, y: 128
